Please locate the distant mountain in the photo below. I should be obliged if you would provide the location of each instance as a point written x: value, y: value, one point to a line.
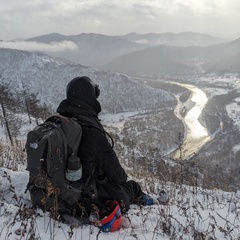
x: 172, y: 60
x: 224, y: 65
x: 48, y: 38
x: 47, y: 77
x: 93, y: 49
x: 96, y: 49
x: 222, y: 58
x: 184, y: 39
x: 160, y: 60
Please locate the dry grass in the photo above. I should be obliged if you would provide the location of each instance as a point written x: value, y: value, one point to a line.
x: 191, y: 213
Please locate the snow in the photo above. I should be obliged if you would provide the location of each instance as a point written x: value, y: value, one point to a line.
x: 116, y: 120
x: 43, y: 75
x: 189, y: 209
x: 224, y: 85
x: 233, y: 111
x: 216, y: 91
x: 236, y: 148
x: 117, y: 117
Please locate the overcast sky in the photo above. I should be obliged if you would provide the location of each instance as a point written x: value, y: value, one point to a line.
x: 30, y: 18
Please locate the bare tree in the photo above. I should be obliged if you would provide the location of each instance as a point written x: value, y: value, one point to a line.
x: 25, y: 89
x: 3, y: 100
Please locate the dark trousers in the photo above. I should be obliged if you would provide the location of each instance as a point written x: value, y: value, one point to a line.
x: 124, y: 194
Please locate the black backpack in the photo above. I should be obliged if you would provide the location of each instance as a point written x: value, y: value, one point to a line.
x: 50, y: 147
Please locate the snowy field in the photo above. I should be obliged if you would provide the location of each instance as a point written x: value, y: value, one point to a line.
x: 190, y: 213
x: 116, y: 120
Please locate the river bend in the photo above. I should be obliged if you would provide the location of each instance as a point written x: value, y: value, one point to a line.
x: 196, y: 135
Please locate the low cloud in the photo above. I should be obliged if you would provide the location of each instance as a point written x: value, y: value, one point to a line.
x: 42, y: 47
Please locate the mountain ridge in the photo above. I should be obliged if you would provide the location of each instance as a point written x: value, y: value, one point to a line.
x: 177, y: 39
x: 96, y: 50
x: 121, y: 54
x: 174, y: 60
x: 92, y: 49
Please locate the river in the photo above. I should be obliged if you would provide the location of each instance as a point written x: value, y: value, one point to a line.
x: 196, y: 135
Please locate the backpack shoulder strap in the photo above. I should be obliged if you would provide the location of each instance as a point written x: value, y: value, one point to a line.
x: 84, y: 124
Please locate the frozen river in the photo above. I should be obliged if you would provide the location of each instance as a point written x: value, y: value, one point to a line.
x: 196, y: 135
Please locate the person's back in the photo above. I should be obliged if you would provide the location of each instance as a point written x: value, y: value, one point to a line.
x: 96, y: 153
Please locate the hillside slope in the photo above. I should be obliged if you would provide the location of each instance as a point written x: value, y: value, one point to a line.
x: 47, y: 77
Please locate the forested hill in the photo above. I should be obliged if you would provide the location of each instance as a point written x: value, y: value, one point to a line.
x: 45, y: 78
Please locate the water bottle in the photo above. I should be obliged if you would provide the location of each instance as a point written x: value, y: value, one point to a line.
x: 74, y: 169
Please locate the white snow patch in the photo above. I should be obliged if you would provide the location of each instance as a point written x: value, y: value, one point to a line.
x: 233, y: 110
x: 216, y: 91
x: 117, y: 120
x: 236, y: 148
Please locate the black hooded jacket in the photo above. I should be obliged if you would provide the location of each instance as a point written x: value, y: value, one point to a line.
x: 95, y: 149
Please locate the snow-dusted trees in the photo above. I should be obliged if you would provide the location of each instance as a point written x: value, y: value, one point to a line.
x: 32, y: 104
x: 13, y: 106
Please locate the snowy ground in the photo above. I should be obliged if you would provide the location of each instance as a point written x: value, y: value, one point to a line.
x: 223, y: 86
x: 190, y: 212
x: 233, y: 111
x: 116, y: 120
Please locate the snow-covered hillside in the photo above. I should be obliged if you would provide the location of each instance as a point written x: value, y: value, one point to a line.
x: 47, y: 78
x: 192, y: 213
